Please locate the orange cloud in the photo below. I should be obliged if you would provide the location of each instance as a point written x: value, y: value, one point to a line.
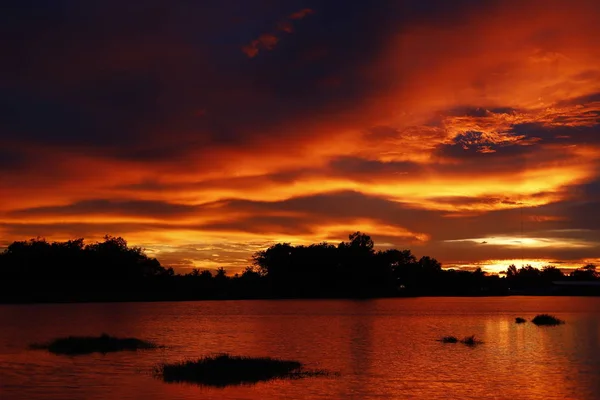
x: 426, y: 136
x: 268, y: 41
x: 301, y: 14
x: 265, y: 41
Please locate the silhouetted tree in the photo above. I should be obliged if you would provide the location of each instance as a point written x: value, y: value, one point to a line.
x: 550, y: 274
x: 111, y: 259
x: 221, y: 274
x: 587, y: 273
x: 512, y: 272
x: 110, y: 269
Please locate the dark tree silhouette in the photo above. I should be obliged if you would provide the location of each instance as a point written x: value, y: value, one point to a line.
x: 110, y: 270
x: 550, y: 274
x: 587, y: 273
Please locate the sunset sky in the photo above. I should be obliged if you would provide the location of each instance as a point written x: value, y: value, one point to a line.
x: 206, y: 130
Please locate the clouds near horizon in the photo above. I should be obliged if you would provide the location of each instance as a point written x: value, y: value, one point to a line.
x: 227, y: 126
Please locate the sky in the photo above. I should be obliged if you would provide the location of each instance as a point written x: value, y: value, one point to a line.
x: 204, y: 131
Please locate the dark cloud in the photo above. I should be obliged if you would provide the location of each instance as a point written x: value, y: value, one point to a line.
x: 12, y: 160
x: 103, y: 104
x: 480, y: 200
x: 265, y: 224
x: 561, y: 134
x: 23, y: 231
x: 580, y: 100
x: 111, y: 207
x: 29, y: 117
x: 340, y: 204
x: 101, y: 76
x: 478, y: 112
x: 477, y: 145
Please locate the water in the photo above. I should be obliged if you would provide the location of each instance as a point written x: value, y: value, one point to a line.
x: 382, y: 349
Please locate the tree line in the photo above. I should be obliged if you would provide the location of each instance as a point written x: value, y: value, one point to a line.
x: 37, y: 270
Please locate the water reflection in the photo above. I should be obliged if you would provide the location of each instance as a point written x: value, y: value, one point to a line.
x: 584, y: 353
x: 360, y: 342
x: 382, y: 348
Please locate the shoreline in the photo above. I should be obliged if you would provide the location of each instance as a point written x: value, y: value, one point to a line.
x: 182, y: 300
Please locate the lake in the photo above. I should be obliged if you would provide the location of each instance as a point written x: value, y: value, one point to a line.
x: 382, y: 349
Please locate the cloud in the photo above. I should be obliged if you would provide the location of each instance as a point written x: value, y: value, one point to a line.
x: 301, y: 14
x: 265, y: 41
x: 268, y: 41
x: 421, y: 122
x: 114, y: 207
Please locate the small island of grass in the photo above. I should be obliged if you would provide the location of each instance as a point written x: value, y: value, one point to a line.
x: 469, y: 340
x: 547, y: 320
x: 520, y: 320
x: 224, y: 370
x: 77, y: 345
x: 449, y: 339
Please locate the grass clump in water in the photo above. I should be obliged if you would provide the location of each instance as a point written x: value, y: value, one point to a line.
x: 449, y: 339
x: 469, y: 340
x: 547, y: 320
x: 76, y: 345
x: 224, y: 370
x: 520, y: 320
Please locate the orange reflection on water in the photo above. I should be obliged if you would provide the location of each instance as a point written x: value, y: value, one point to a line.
x: 381, y: 348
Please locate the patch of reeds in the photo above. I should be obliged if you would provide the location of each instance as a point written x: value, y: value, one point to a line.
x: 520, y: 320
x: 77, y: 345
x: 224, y: 370
x: 469, y: 340
x: 449, y: 339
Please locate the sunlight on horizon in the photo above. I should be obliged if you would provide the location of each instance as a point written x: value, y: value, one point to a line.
x: 501, y: 265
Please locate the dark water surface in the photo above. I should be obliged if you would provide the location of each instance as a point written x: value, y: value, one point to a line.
x: 383, y: 349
